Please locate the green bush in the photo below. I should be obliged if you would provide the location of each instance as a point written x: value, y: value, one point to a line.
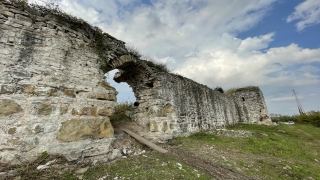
x: 311, y: 117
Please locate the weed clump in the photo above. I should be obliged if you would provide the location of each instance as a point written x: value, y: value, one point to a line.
x: 218, y: 88
x: 234, y: 90
x: 121, y: 112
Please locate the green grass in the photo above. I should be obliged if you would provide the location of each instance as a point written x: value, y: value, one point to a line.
x: 148, y: 166
x: 268, y: 150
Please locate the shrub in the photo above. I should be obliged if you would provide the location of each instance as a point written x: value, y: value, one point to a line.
x: 311, y: 117
x: 157, y: 65
x: 120, y: 112
x: 218, y: 88
x: 134, y: 51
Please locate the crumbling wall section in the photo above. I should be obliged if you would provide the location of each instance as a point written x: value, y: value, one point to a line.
x: 53, y: 96
x: 171, y: 105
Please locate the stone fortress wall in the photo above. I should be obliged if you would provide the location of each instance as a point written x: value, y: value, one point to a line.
x: 172, y: 105
x: 54, y: 98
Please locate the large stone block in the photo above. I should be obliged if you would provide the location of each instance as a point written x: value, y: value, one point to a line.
x: 80, y: 129
x: 8, y: 107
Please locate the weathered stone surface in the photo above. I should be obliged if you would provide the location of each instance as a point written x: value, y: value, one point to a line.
x: 63, y: 110
x: 45, y: 109
x: 29, y: 89
x: 103, y: 96
x: 8, y: 107
x: 7, y: 89
x: 79, y: 129
x: 88, y: 111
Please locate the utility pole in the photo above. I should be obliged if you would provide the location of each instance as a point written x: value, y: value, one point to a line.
x: 301, y: 111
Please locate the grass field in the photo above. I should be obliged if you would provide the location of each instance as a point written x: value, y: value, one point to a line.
x: 277, y: 152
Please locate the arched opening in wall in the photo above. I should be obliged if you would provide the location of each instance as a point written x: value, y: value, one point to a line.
x: 125, y: 93
x: 243, y: 99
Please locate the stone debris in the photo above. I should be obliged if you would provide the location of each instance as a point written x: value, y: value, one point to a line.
x: 231, y: 133
x: 287, y: 167
x: 81, y: 170
x: 179, y: 166
x: 46, y: 166
x: 164, y: 164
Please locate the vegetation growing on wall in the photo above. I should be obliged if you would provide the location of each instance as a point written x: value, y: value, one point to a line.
x: 162, y: 67
x: 247, y: 88
x: 218, y: 88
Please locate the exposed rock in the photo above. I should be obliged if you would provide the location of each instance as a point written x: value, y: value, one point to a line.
x: 116, y: 153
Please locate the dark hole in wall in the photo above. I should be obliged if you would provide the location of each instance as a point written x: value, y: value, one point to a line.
x: 135, y: 104
x: 243, y: 99
x: 150, y: 84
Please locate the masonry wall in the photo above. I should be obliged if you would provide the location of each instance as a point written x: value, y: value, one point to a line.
x: 53, y: 96
x: 172, y: 105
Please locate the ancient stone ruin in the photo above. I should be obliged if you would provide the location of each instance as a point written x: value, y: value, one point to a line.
x: 54, y: 98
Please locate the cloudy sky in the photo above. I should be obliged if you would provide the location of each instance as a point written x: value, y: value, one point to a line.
x: 273, y: 44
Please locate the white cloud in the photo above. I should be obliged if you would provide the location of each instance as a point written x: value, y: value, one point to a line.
x: 307, y: 13
x: 256, y: 43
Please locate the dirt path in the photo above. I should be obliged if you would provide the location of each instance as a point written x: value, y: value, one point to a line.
x: 217, y: 171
